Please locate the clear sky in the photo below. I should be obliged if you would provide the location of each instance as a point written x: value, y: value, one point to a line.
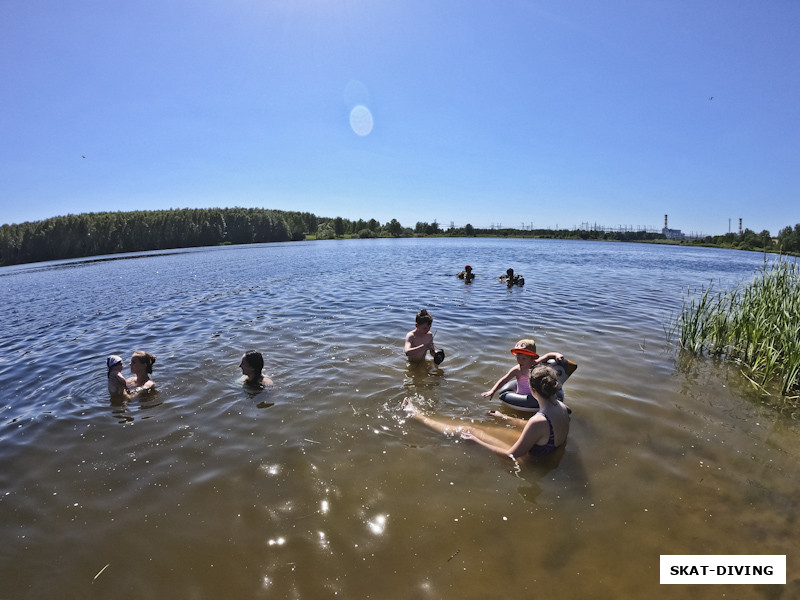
x: 543, y: 112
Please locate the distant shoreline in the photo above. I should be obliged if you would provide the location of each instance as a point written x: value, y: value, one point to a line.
x: 108, y: 233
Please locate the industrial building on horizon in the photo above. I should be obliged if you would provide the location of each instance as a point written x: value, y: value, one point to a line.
x: 671, y: 234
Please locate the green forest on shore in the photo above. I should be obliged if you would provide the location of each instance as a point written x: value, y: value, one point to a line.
x: 93, y: 234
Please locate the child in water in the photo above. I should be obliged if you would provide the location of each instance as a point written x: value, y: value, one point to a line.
x: 252, y: 365
x: 525, y: 351
x: 420, y: 341
x: 116, y: 380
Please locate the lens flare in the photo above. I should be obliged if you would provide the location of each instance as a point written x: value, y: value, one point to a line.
x: 361, y: 120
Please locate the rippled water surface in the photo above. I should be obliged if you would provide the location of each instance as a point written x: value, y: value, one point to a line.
x: 318, y: 487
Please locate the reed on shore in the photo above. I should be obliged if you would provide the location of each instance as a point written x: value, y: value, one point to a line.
x: 756, y: 324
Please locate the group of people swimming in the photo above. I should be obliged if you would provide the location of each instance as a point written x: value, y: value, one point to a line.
x: 141, y: 365
x: 531, y: 377
x: 509, y: 277
x: 534, y: 379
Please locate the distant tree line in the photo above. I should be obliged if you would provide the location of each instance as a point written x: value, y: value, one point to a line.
x: 92, y: 234
x: 787, y: 242
x: 329, y: 229
x: 558, y: 234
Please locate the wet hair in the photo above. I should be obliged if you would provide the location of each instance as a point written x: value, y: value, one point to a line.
x: 509, y: 272
x: 423, y: 317
x: 544, y: 380
x: 145, y: 357
x: 255, y: 360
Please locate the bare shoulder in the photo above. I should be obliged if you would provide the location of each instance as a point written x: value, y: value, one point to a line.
x: 537, y: 421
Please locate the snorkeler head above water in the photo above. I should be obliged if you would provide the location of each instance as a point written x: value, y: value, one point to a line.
x: 467, y: 274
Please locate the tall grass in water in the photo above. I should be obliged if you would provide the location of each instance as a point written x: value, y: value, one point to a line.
x: 757, y: 324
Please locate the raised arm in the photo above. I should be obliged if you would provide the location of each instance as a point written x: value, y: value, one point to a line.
x: 544, y: 358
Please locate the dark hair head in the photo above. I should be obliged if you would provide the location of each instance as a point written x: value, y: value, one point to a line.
x: 145, y: 357
x: 424, y: 316
x: 255, y: 360
x: 544, y: 380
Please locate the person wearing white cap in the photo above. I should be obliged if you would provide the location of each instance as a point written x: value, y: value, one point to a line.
x: 116, y: 380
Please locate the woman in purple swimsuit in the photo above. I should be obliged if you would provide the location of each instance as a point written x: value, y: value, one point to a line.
x: 545, y: 432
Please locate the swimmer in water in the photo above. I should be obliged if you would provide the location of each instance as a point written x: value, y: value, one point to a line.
x: 510, y: 279
x: 251, y: 365
x: 419, y: 341
x: 467, y: 275
x: 116, y: 380
x: 525, y: 351
x: 141, y: 367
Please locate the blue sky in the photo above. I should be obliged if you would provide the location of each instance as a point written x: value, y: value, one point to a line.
x: 551, y: 113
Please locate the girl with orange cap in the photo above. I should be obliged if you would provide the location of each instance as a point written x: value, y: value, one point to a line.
x: 520, y: 395
x: 525, y: 351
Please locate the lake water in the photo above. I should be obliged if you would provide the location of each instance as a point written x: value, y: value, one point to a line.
x: 319, y: 488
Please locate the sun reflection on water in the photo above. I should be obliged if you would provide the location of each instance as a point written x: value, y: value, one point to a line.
x: 378, y: 524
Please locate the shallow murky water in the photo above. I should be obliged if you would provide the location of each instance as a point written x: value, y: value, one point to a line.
x: 319, y: 487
